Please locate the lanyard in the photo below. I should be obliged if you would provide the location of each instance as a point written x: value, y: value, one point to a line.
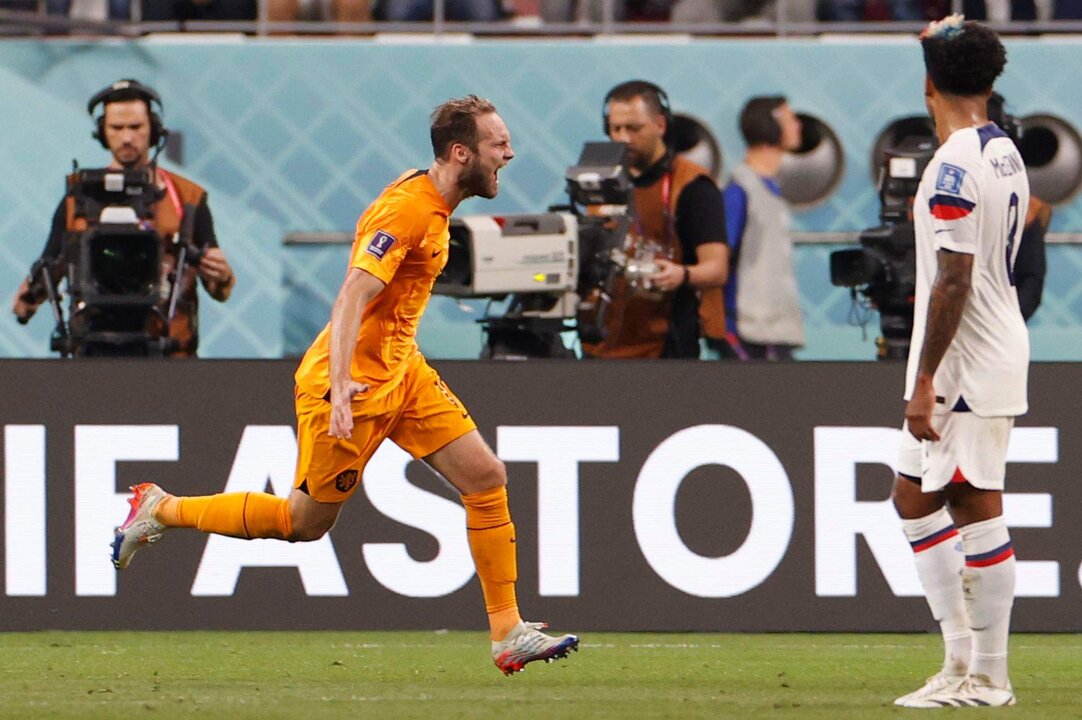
x: 666, y: 214
x: 666, y: 194
x: 171, y: 190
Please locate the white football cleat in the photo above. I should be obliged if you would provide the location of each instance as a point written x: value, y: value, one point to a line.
x: 140, y: 528
x: 526, y: 643
x: 940, y: 682
x: 975, y: 691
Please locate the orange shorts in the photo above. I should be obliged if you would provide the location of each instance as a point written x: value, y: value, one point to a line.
x: 421, y: 416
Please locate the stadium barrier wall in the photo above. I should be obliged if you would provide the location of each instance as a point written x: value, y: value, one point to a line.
x: 646, y: 496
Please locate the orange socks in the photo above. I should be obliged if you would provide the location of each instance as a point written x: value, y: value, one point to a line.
x: 489, y: 529
x: 242, y: 515
x: 492, y: 543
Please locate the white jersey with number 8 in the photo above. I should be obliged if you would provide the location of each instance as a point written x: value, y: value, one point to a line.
x: 972, y: 199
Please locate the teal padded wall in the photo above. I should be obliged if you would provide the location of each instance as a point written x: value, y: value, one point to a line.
x: 291, y: 135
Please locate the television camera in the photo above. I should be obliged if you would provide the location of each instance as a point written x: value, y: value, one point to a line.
x: 554, y: 269
x: 883, y: 270
x: 121, y: 302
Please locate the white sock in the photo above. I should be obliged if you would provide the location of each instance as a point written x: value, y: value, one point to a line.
x: 939, y: 559
x: 989, y: 594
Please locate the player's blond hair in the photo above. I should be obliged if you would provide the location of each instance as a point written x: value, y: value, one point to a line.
x: 455, y: 121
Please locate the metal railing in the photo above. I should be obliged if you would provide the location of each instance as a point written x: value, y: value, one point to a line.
x: 787, y: 22
x: 307, y: 238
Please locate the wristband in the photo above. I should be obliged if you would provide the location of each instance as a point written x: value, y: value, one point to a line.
x: 687, y: 276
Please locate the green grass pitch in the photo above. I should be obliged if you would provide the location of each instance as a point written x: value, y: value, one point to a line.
x: 436, y: 675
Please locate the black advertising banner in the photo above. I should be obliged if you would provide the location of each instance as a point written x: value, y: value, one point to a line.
x: 646, y: 496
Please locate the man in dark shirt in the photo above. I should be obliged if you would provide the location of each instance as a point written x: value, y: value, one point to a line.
x: 129, y: 128
x: 679, y: 227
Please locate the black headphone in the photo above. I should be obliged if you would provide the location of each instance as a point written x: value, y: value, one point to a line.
x: 758, y: 123
x: 772, y: 131
x: 1009, y: 124
x: 638, y: 87
x: 128, y: 89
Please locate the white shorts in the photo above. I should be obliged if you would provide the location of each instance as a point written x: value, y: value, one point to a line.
x: 971, y: 449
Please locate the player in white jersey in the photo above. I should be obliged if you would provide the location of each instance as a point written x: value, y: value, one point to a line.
x: 966, y: 376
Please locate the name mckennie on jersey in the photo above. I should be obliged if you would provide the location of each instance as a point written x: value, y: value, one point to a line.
x: 1007, y: 165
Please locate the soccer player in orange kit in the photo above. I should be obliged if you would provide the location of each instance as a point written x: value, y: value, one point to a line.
x: 364, y: 380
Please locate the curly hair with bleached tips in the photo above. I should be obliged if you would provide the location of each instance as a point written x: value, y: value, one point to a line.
x: 945, y: 28
x: 962, y: 58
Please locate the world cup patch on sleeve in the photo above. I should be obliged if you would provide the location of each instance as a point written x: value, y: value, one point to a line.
x: 950, y: 179
x: 380, y: 243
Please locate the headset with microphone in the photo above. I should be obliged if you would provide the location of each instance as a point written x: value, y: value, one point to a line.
x: 129, y: 89
x: 639, y: 88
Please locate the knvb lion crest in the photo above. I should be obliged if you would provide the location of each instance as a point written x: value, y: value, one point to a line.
x: 345, y: 480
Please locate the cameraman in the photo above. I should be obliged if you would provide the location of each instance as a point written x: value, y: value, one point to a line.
x: 129, y: 129
x: 679, y: 211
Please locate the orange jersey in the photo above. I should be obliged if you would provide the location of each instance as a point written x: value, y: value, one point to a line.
x: 402, y: 239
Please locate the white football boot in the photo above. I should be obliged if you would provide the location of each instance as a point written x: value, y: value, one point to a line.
x: 940, y: 682
x: 140, y: 528
x: 975, y: 691
x: 526, y: 643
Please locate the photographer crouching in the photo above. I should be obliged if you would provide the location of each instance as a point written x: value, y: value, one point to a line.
x: 130, y: 240
x: 676, y: 254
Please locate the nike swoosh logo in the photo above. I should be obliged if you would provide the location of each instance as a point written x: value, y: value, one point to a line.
x: 436, y: 252
x: 942, y: 230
